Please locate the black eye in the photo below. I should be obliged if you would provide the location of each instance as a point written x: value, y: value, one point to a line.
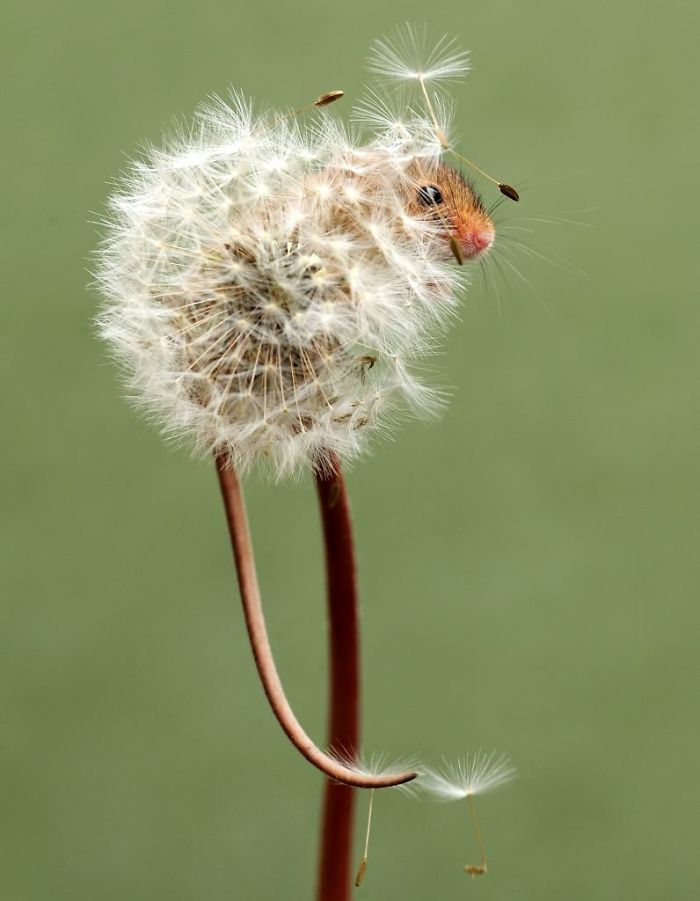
x: 429, y: 195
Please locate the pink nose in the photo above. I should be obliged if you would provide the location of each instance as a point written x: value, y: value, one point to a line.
x: 481, y: 240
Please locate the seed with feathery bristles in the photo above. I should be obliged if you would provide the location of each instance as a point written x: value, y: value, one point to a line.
x: 376, y: 765
x: 464, y: 780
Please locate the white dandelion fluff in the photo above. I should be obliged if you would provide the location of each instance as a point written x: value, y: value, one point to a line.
x: 408, y: 56
x: 379, y: 764
x: 269, y: 286
x: 468, y: 777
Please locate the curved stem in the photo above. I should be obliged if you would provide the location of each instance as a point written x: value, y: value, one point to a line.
x: 334, y: 878
x: 260, y: 643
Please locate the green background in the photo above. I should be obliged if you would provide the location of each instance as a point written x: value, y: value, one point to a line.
x: 528, y: 563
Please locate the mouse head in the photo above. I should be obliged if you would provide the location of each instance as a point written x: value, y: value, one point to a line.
x: 442, y: 195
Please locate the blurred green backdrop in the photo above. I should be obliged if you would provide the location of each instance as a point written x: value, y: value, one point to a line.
x: 528, y: 564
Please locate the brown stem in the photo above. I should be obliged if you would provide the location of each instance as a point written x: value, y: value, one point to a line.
x: 335, y: 877
x: 260, y: 643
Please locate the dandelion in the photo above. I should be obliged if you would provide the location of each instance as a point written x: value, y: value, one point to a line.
x: 271, y: 286
x: 464, y: 780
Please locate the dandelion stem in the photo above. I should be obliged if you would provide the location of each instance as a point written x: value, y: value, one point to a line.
x: 344, y: 677
x: 260, y: 643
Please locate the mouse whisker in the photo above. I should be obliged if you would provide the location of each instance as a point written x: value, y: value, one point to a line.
x: 551, y: 257
x: 509, y: 264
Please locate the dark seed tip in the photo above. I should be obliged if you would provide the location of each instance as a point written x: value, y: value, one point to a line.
x: 328, y: 97
x: 508, y: 191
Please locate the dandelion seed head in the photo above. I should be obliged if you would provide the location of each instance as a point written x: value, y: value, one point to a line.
x: 253, y: 263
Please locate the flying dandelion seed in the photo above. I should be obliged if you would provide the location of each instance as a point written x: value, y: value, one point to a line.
x: 466, y: 779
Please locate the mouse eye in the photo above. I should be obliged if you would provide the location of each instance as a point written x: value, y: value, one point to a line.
x: 429, y: 195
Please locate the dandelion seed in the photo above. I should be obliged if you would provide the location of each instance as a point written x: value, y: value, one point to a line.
x: 464, y: 780
x: 405, y: 58
x: 376, y: 765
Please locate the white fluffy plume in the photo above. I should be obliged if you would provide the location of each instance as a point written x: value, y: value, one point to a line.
x: 408, y: 56
x: 468, y: 777
x: 267, y: 286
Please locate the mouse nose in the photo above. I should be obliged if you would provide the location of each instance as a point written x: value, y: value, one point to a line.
x: 481, y: 240
x: 477, y: 242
